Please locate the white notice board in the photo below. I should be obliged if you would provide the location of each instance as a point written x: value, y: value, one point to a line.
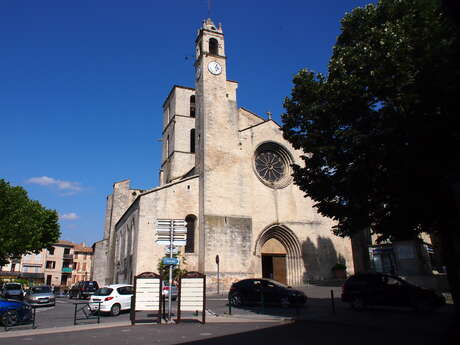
x: 192, y: 294
x: 148, y: 294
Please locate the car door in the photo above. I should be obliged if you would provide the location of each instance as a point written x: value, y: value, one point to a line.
x: 125, y: 294
x: 396, y: 292
x: 252, y: 291
x: 271, y: 292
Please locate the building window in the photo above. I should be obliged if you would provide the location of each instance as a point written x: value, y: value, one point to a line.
x: 76, y: 255
x: 213, y: 46
x: 192, y: 106
x: 66, y: 251
x: 272, y: 164
x: 192, y: 140
x: 51, y: 264
x: 51, y: 251
x: 190, y: 244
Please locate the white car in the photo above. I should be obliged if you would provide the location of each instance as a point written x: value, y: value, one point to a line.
x: 113, y: 299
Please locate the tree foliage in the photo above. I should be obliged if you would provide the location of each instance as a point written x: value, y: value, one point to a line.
x: 25, y: 226
x: 380, y: 133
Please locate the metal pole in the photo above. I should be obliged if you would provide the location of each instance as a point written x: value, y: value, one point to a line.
x: 171, y: 234
x: 217, y: 277
x: 332, y: 301
x: 75, y: 315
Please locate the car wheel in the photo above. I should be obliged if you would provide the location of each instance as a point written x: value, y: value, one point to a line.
x: 358, y: 304
x: 235, y: 300
x: 115, y: 310
x: 10, y: 318
x: 284, y: 301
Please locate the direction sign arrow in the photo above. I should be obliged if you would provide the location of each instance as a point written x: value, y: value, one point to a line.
x: 170, y: 261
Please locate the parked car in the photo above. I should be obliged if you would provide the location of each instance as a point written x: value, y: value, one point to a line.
x: 41, y: 295
x: 13, y: 312
x: 13, y: 291
x: 83, y: 289
x: 378, y: 289
x: 167, y: 290
x: 113, y: 299
x: 267, y: 291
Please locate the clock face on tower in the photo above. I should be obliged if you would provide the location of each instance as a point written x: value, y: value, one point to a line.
x: 214, y: 67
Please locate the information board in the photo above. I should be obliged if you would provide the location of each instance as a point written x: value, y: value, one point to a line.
x: 147, y: 296
x: 192, y: 294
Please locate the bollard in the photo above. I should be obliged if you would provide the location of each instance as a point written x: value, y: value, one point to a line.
x: 33, y: 320
x: 75, y: 315
x: 99, y: 312
x: 262, y: 300
x: 332, y: 301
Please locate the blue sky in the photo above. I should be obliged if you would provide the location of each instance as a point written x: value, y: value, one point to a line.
x: 82, y: 84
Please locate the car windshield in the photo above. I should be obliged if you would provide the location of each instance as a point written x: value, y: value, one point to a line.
x: 40, y: 289
x: 105, y: 291
x: 13, y: 286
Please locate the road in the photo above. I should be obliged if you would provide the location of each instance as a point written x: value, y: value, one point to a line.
x: 297, y: 333
x: 317, y: 321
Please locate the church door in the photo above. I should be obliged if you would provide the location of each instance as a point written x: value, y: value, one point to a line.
x: 274, y: 261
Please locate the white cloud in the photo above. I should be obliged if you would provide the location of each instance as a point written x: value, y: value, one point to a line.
x: 69, y: 216
x: 72, y: 187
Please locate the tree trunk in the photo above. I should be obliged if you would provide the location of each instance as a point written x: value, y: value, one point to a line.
x: 450, y: 241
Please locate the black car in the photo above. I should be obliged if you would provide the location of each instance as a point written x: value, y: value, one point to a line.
x: 83, y: 289
x: 378, y: 289
x: 264, y: 291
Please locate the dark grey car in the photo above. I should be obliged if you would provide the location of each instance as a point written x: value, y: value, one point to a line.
x: 13, y: 291
x: 40, y: 296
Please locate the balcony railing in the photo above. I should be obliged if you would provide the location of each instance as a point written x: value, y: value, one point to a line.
x: 66, y: 269
x: 68, y: 257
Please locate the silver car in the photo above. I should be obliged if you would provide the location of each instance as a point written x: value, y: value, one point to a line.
x: 40, y: 295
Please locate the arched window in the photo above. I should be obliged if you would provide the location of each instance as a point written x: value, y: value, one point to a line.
x: 191, y: 223
x: 192, y: 140
x: 192, y: 106
x: 213, y: 46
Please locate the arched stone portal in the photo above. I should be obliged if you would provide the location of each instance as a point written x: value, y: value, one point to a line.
x: 281, y: 254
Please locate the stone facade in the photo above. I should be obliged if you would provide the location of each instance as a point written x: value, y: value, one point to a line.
x: 227, y: 171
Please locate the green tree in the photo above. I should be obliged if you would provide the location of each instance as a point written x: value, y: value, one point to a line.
x: 381, y: 132
x: 25, y: 226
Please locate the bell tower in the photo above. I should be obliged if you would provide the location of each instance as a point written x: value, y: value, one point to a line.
x: 219, y: 156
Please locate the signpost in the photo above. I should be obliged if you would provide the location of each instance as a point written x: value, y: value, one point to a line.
x: 217, y: 262
x: 171, y: 233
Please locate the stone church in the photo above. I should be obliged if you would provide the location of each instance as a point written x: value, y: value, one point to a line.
x: 227, y: 172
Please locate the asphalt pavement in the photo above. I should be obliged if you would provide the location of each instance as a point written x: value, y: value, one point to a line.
x: 55, y: 325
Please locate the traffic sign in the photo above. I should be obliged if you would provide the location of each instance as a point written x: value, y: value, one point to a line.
x: 170, y: 261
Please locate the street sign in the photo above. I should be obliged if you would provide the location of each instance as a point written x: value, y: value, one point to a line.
x: 170, y: 261
x: 174, y: 250
x: 176, y: 227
